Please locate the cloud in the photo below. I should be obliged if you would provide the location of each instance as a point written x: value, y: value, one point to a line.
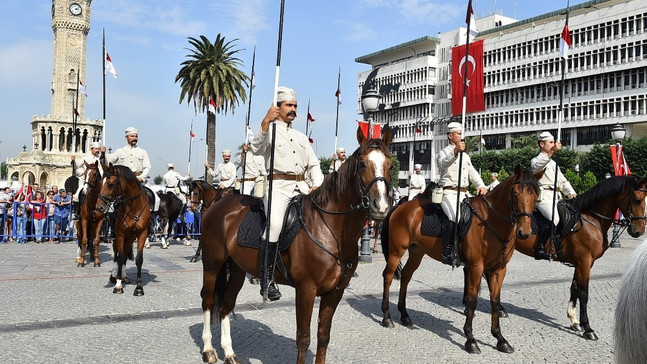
x: 14, y: 58
x: 413, y: 11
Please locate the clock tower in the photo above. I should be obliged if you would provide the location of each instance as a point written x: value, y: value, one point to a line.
x: 64, y: 131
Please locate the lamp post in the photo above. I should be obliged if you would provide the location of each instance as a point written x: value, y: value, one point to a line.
x: 370, y: 103
x: 617, y: 133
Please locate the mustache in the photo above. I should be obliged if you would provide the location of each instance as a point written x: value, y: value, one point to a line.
x: 292, y: 113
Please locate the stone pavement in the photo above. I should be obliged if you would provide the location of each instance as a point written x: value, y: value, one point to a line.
x: 54, y: 311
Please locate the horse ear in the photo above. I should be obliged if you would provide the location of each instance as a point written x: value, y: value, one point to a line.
x: 86, y: 163
x: 518, y: 170
x: 386, y: 135
x: 539, y: 174
x: 360, y: 136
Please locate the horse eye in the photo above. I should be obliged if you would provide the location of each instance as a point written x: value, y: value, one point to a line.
x: 362, y: 164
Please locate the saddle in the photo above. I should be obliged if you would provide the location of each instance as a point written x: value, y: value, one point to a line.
x: 153, y: 199
x: 569, y: 217
x: 434, y: 219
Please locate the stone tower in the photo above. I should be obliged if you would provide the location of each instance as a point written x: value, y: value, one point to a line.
x: 54, y: 139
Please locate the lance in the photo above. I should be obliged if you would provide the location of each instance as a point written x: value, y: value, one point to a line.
x: 190, y: 143
x: 103, y: 56
x: 337, y: 115
x: 249, y: 111
x: 308, y: 117
x: 273, y: 143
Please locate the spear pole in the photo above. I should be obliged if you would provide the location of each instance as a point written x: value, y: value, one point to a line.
x: 243, y: 160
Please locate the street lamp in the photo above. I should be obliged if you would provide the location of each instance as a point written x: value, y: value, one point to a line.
x: 618, y: 134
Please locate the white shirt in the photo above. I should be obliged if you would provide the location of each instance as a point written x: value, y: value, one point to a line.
x: 254, y: 165
x: 134, y: 158
x: 448, y: 164
x: 172, y: 178
x: 418, y: 182
x: 547, y: 181
x: 227, y: 173
x: 334, y: 166
x: 80, y: 167
x: 494, y: 183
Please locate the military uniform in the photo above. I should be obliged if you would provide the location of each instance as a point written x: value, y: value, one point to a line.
x: 448, y: 165
x: 547, y: 185
x: 227, y: 173
x: 418, y: 183
x: 253, y: 182
x: 172, y: 180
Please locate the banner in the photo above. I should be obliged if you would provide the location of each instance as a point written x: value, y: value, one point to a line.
x: 620, y: 166
x: 474, y: 76
x: 377, y: 129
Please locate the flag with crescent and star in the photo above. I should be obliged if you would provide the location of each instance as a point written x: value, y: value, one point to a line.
x: 474, y: 60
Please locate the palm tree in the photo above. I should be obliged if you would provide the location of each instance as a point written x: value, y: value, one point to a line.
x: 212, y: 72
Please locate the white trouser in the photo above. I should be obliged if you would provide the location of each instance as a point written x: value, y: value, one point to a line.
x: 545, y: 203
x: 449, y: 203
x: 413, y: 192
x: 255, y: 188
x: 75, y: 198
x: 177, y: 193
x: 280, y: 201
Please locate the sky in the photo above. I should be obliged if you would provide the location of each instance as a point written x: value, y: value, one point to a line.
x: 147, y: 40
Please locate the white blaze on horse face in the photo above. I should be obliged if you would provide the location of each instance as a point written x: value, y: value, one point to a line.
x: 378, y: 159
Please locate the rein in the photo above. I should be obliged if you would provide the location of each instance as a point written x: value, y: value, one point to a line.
x: 624, y: 222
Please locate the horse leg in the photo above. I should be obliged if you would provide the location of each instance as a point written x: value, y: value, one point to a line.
x: 209, y: 276
x: 82, y: 239
x: 495, y: 281
x: 139, y: 261
x: 195, y: 257
x: 227, y: 304
x: 164, y: 224
x: 391, y: 265
x: 305, y: 300
x: 499, y: 308
x: 327, y: 308
x: 581, y: 279
x: 96, y: 242
x: 120, y: 261
x: 472, y: 287
x: 415, y: 258
x: 571, y: 313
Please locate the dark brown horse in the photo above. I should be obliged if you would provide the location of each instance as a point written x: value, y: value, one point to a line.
x: 320, y: 261
x: 170, y: 208
x: 588, y: 240
x: 499, y: 216
x: 122, y: 189
x: 91, y: 220
x: 203, y: 192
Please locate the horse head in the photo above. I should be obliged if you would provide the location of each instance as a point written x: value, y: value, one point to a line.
x: 524, y: 191
x: 635, y: 208
x: 373, y: 168
x: 196, y: 193
x: 92, y: 176
x: 118, y: 182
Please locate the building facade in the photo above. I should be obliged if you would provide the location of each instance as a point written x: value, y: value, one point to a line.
x: 605, y: 81
x: 65, y: 131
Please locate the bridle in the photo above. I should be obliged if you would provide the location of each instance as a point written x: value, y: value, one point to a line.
x: 627, y: 220
x: 109, y: 201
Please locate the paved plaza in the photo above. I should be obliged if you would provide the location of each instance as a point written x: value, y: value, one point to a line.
x: 53, y: 311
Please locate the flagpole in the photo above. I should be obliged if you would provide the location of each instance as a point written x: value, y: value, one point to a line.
x: 337, y: 115
x: 103, y: 133
x: 190, y: 143
x: 75, y: 111
x: 249, y: 111
x: 308, y: 117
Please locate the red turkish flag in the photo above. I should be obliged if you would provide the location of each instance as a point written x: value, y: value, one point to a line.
x: 377, y: 129
x: 620, y: 166
x: 474, y: 75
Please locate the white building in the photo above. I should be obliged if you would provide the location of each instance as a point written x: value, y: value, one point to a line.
x: 605, y: 81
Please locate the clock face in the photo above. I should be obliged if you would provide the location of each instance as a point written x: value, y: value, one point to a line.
x: 75, y: 9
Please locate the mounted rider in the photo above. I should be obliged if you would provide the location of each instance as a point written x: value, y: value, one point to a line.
x: 171, y: 182
x: 253, y: 182
x: 79, y: 171
x: 418, y: 183
x: 225, y: 170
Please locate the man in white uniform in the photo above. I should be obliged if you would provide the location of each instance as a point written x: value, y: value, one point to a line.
x: 253, y: 182
x: 226, y: 170
x: 417, y: 182
x: 547, y: 148
x: 337, y: 159
x: 171, y: 181
x: 495, y: 181
x: 132, y: 156
x: 448, y: 164
x: 79, y: 171
x: 294, y: 159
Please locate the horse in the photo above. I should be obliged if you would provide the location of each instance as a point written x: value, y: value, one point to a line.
x: 202, y: 192
x: 498, y: 217
x: 588, y: 241
x: 630, y: 332
x: 91, y: 220
x: 320, y: 261
x: 169, y: 210
x: 122, y: 189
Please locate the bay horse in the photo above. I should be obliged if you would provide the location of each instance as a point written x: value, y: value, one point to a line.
x: 499, y: 216
x: 320, y: 261
x: 202, y: 192
x: 91, y: 220
x: 630, y: 332
x: 588, y: 241
x: 122, y: 189
x: 170, y: 208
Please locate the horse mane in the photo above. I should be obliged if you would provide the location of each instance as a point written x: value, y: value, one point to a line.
x: 121, y: 172
x: 526, y: 180
x: 336, y: 183
x: 603, y: 189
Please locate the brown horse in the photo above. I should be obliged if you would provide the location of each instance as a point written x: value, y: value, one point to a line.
x: 91, y: 220
x: 203, y: 192
x: 320, y: 261
x: 121, y: 188
x: 499, y: 216
x: 588, y: 240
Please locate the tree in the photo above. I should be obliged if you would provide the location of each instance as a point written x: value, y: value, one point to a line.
x: 212, y: 72
x: 158, y: 180
x: 324, y: 163
x: 4, y: 170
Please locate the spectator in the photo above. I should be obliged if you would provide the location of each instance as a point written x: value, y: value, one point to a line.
x: 189, y: 218
x: 20, y: 214
x: 62, y: 204
x: 51, y: 207
x: 9, y: 219
x: 4, y: 197
x: 39, y: 214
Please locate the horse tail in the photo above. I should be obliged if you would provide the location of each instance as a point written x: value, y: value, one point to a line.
x: 219, y: 291
x: 630, y: 331
x: 384, y: 238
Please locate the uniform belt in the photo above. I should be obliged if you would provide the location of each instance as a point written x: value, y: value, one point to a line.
x: 251, y: 179
x: 416, y: 188
x: 289, y: 177
x: 463, y: 189
x: 552, y: 188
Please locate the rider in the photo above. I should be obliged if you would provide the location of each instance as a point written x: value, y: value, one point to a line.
x: 495, y: 181
x: 226, y: 170
x: 417, y: 182
x: 172, y: 180
x: 294, y: 158
x: 448, y: 163
x: 253, y: 180
x: 132, y: 156
x: 547, y: 148
x: 337, y: 159
x: 79, y: 171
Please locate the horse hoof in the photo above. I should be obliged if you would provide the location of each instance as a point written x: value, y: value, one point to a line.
x: 139, y: 291
x: 388, y: 323
x: 406, y: 321
x: 97, y: 264
x: 504, y: 347
x: 503, y: 313
x: 119, y: 290
x: 112, y: 280
x: 576, y: 327
x: 232, y: 360
x: 590, y: 335
x: 209, y: 357
x: 254, y: 281
x: 472, y: 347
x: 165, y: 246
x: 125, y: 280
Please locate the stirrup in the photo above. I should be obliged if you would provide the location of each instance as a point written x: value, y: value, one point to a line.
x: 273, y: 293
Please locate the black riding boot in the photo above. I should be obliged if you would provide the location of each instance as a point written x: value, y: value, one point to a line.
x: 448, y: 245
x: 542, y: 238
x: 268, y: 254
